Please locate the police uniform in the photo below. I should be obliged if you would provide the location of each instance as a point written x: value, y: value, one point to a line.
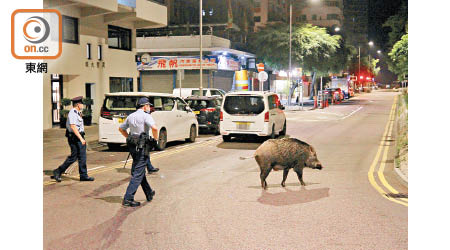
x: 77, y: 149
x: 138, y: 122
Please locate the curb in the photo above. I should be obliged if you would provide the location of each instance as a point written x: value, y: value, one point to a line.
x: 400, y: 176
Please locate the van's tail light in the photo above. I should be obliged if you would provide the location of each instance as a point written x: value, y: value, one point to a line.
x: 208, y: 110
x: 105, y: 114
x: 221, y: 115
x: 266, y: 117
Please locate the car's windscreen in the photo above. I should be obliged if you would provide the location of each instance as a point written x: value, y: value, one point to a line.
x: 244, y: 105
x: 121, y: 102
x: 201, y: 104
x: 197, y: 92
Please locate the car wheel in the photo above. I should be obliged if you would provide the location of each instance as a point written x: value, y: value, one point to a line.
x: 162, y: 140
x: 113, y: 146
x: 283, y: 132
x: 192, y: 134
x: 226, y: 138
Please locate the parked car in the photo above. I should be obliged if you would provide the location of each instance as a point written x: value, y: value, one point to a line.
x: 186, y: 92
x: 207, y: 111
x: 173, y: 116
x: 251, y: 113
x: 336, y: 93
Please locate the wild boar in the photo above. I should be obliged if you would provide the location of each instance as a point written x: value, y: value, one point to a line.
x: 284, y: 154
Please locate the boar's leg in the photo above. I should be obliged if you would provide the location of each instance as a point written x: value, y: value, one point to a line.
x: 285, y: 174
x: 299, y: 172
x: 264, y: 173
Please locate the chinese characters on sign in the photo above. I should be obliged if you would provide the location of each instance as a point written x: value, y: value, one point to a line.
x: 175, y: 63
x: 32, y: 67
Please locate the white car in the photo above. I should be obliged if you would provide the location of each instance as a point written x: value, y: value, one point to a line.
x: 251, y: 113
x: 186, y: 92
x: 174, y: 118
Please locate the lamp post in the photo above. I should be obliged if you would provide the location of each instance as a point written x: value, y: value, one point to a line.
x: 201, y: 47
x: 290, y: 51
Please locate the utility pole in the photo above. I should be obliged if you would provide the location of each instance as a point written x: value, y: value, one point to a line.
x: 359, y: 63
x: 201, y: 47
x: 290, y: 51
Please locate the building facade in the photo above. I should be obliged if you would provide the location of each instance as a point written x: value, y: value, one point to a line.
x: 270, y: 11
x: 230, y: 19
x: 320, y: 13
x: 163, y: 57
x: 99, y: 48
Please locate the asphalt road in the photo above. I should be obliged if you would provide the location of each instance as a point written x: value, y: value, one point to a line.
x: 207, y: 198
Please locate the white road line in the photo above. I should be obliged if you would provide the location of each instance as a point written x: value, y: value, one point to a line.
x: 90, y: 169
x: 358, y: 109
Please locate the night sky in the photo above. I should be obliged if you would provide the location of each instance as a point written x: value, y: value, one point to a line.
x: 379, y: 12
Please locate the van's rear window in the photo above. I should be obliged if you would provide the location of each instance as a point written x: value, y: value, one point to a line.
x: 245, y: 105
x: 121, y: 102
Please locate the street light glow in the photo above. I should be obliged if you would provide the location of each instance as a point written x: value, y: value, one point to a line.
x: 379, y: 51
x: 337, y: 29
x: 371, y: 43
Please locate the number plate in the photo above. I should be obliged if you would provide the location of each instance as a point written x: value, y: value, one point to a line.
x: 242, y: 125
x: 197, y: 112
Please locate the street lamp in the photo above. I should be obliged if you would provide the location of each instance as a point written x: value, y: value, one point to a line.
x: 379, y: 52
x: 337, y: 29
x: 201, y: 48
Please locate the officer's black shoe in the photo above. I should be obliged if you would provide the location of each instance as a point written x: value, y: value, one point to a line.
x: 154, y: 170
x: 131, y: 203
x: 150, y: 197
x: 88, y: 178
x: 56, y: 175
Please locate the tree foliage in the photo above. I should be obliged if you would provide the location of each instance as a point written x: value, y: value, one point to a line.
x: 399, y: 57
x: 313, y: 48
x: 398, y: 24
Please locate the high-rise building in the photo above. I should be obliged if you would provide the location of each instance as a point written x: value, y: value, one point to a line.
x: 270, y: 11
x: 230, y: 19
x: 320, y: 13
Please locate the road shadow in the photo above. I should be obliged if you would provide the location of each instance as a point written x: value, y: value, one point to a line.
x: 279, y: 185
x: 101, y: 236
x: 291, y: 197
x: 111, y: 199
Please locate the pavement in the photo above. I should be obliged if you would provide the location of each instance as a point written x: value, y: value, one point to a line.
x: 207, y: 198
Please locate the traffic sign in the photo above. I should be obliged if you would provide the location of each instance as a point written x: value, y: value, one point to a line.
x: 263, y: 76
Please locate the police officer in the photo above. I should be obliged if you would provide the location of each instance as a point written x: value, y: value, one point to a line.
x: 150, y: 167
x: 75, y: 138
x: 139, y: 124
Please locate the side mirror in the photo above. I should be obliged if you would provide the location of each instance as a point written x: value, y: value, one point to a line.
x: 188, y: 109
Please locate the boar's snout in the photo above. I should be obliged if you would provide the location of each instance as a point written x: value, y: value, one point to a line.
x: 319, y: 166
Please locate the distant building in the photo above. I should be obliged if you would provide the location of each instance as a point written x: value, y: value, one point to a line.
x: 99, y: 49
x: 320, y: 13
x: 270, y: 11
x: 229, y: 19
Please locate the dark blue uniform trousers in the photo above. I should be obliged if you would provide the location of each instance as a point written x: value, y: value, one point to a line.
x: 77, y: 151
x: 137, y: 174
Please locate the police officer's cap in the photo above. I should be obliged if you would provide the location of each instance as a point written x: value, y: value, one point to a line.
x: 78, y: 99
x: 143, y: 101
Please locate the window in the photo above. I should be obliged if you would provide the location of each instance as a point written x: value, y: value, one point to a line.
x: 314, y: 17
x: 216, y: 92
x: 303, y: 17
x: 167, y: 103
x: 120, y: 84
x: 181, y: 105
x: 99, y: 52
x: 332, y: 17
x: 245, y: 105
x: 257, y: 19
x: 119, y: 38
x: 88, y: 51
x: 69, y: 29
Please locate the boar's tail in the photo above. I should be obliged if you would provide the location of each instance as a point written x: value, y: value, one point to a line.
x: 245, y: 158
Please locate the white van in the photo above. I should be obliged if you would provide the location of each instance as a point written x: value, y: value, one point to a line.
x: 251, y: 113
x: 173, y: 117
x: 186, y: 92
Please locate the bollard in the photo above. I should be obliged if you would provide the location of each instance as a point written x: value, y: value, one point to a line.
x: 315, y: 101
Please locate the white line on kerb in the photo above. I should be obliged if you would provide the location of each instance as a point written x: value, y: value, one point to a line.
x: 358, y: 109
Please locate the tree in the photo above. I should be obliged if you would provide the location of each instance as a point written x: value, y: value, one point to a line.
x: 399, y: 57
x: 398, y: 24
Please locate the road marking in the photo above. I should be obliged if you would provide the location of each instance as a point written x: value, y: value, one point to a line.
x: 377, y: 156
x: 354, y: 111
x: 101, y: 169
